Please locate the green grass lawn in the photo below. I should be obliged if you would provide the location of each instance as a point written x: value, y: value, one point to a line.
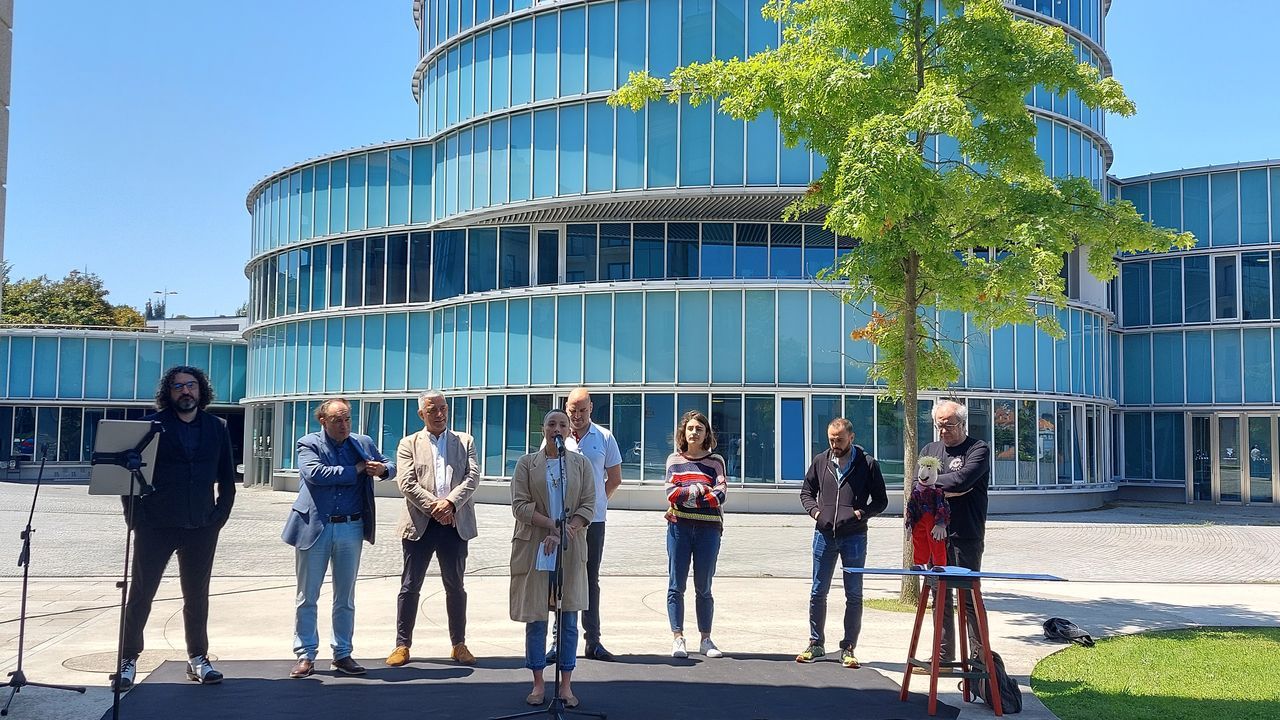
x: 890, y: 605
x: 1218, y: 673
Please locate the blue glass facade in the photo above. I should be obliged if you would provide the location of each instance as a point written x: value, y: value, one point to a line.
x: 56, y: 384
x: 534, y: 239
x: 1199, y: 335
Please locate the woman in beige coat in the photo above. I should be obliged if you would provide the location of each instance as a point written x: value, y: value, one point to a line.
x: 535, y: 491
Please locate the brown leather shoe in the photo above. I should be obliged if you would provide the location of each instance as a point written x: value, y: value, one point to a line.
x: 399, y: 656
x: 302, y: 668
x: 461, y: 654
x: 347, y: 666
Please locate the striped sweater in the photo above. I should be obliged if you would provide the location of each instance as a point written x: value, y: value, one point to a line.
x: 695, y: 489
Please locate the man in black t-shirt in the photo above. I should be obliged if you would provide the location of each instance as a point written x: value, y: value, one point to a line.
x: 964, y: 477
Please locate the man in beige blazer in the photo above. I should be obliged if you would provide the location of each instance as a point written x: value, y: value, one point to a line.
x: 438, y: 476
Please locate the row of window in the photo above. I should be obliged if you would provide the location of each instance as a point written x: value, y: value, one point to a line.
x: 708, y: 28
x: 579, y: 50
x: 570, y: 150
x: 764, y: 438
x: 1235, y: 207
x: 426, y: 266
x: 1083, y: 15
x: 1070, y: 104
x: 692, y: 337
x: 1200, y: 288
x: 68, y: 432
x: 442, y: 19
x: 1194, y: 367
x: 121, y: 368
x: 1151, y: 446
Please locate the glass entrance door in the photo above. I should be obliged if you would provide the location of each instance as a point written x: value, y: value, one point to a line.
x: 1260, y: 452
x: 1229, y: 468
x: 263, y: 455
x: 1201, y: 459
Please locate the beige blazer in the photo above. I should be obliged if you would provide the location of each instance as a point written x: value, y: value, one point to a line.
x: 416, y: 463
x: 529, y: 587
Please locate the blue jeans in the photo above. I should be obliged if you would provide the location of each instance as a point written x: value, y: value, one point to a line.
x: 852, y: 552
x: 535, y: 644
x: 701, y: 544
x: 339, y: 543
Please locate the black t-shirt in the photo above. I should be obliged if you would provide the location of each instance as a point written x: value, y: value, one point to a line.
x: 964, y: 467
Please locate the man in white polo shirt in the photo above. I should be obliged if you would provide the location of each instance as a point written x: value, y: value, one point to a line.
x: 598, y: 445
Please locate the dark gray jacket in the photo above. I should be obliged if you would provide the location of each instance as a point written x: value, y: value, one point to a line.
x: 184, y: 484
x: 863, y: 489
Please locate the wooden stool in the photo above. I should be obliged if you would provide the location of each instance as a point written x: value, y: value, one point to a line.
x: 968, y: 589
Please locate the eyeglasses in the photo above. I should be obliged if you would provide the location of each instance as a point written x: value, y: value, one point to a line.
x: 339, y: 419
x: 947, y: 425
x: 188, y: 385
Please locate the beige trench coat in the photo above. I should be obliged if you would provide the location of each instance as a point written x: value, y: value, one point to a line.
x: 529, y: 587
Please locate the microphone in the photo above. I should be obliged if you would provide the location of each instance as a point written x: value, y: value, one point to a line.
x: 559, y: 440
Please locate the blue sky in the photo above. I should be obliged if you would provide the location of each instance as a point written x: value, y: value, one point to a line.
x: 137, y: 128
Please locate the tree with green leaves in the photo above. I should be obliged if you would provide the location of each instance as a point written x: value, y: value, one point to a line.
x: 77, y: 299
x: 984, y: 231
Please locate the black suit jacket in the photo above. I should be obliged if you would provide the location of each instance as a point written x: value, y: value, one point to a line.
x: 184, y: 484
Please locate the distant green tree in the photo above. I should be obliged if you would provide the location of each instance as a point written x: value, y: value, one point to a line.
x: 77, y: 299
x: 126, y: 316
x: 872, y: 85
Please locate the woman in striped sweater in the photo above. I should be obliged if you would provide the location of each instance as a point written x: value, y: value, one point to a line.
x: 695, y: 520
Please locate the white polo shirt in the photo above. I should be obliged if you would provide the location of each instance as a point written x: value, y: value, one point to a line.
x: 601, y: 449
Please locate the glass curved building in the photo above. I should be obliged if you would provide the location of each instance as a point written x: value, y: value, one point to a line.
x: 534, y: 239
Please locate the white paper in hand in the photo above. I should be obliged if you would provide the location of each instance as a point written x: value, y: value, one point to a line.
x: 546, y: 562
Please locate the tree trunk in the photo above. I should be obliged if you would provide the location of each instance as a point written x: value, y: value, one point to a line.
x: 910, y: 592
x: 910, y: 303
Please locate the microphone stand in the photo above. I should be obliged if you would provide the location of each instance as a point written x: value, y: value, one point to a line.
x: 557, y: 710
x: 17, y: 678
x: 130, y: 460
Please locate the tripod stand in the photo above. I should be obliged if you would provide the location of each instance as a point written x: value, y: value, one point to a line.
x: 17, y: 678
x: 556, y: 710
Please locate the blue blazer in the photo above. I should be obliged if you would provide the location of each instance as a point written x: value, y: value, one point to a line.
x: 318, y: 467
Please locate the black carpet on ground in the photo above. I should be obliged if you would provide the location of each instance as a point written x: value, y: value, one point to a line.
x: 742, y: 687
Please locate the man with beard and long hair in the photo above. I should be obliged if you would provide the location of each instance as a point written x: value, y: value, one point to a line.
x: 194, y: 487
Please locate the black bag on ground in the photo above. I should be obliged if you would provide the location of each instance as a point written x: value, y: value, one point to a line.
x: 1010, y: 693
x: 1063, y: 630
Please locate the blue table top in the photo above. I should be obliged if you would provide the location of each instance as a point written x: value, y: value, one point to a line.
x: 955, y: 572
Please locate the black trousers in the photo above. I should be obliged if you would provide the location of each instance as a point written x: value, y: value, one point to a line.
x: 441, y: 540
x: 595, y: 552
x: 152, y: 549
x: 968, y: 554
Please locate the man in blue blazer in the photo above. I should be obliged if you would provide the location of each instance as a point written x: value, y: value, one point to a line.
x: 333, y: 515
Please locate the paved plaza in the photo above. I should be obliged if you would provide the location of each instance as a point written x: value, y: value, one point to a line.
x: 1131, y: 567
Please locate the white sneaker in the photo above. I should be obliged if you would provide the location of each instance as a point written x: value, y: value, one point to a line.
x: 201, y: 670
x: 677, y: 648
x: 709, y: 649
x: 123, y: 680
